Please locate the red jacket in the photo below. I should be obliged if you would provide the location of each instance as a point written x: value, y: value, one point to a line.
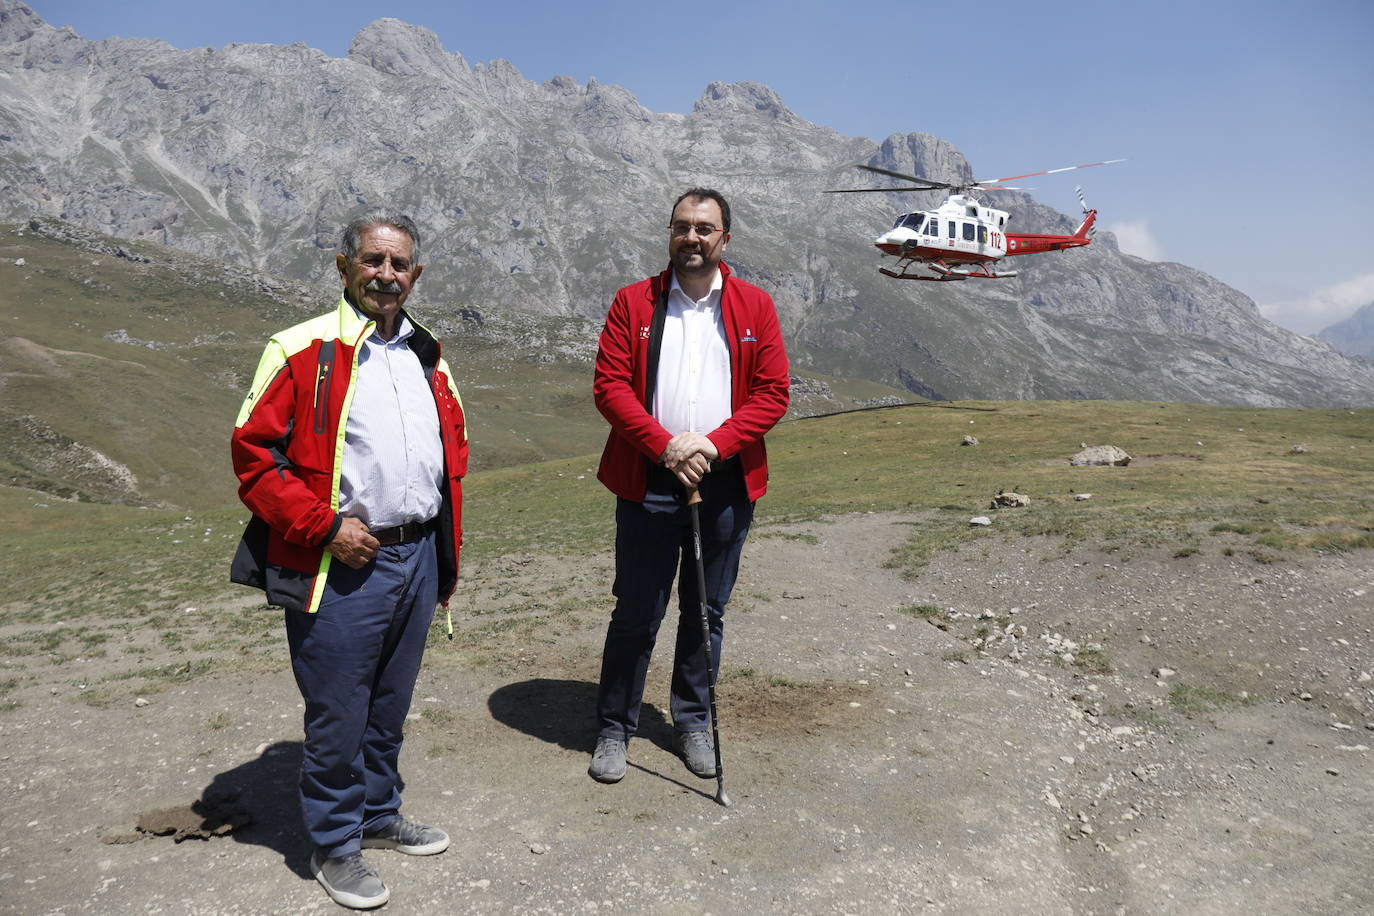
x: 628, y: 351
x: 288, y: 447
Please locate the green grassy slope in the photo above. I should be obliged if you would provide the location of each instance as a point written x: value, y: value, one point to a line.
x: 910, y: 459
x: 126, y: 359
x: 1194, y: 468
x: 140, y: 595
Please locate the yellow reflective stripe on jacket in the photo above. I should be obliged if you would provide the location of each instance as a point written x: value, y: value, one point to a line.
x: 353, y: 331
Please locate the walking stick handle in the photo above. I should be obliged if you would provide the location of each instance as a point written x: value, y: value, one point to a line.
x: 693, y: 496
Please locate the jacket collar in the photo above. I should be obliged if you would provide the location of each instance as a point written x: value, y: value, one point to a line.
x: 353, y: 324
x: 664, y: 282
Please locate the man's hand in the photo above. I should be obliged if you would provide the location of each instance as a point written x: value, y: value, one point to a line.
x: 689, y: 456
x: 353, y: 544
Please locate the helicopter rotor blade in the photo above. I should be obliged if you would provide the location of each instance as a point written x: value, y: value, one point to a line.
x: 930, y: 181
x: 930, y: 184
x: 946, y: 188
x: 879, y: 190
x: 1067, y: 168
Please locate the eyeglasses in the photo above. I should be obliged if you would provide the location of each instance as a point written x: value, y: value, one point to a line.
x: 703, y: 230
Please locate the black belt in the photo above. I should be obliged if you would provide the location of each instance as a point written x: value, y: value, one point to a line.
x: 401, y: 534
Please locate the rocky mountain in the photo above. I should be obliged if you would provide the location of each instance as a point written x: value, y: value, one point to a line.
x: 548, y: 196
x: 1355, y: 335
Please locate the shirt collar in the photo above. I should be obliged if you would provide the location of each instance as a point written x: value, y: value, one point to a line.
x: 717, y: 284
x: 403, y: 330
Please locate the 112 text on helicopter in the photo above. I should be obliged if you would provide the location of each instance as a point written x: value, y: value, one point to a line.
x: 963, y: 239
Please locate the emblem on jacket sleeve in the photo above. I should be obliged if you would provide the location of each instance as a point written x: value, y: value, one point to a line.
x: 644, y: 332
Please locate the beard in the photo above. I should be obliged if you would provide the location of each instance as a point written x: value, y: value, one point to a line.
x: 693, y: 261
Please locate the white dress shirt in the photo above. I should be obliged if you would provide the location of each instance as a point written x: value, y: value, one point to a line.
x: 692, y: 392
x: 393, y: 459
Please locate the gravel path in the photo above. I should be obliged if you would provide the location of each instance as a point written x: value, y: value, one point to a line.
x: 1056, y: 732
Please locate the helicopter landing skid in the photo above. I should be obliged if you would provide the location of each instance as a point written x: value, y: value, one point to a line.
x: 945, y: 273
x: 906, y: 276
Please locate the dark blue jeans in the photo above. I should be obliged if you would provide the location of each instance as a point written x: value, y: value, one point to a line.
x: 653, y: 544
x: 355, y: 662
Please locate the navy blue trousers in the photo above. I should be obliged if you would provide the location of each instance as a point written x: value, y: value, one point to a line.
x: 355, y: 663
x: 653, y: 544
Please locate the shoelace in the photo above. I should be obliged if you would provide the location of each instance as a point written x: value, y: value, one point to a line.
x: 606, y: 748
x: 407, y: 832
x: 357, y: 868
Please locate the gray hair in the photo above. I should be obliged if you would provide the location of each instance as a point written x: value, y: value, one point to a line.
x: 349, y: 245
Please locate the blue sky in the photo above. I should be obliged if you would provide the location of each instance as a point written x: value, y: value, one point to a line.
x: 1249, y: 125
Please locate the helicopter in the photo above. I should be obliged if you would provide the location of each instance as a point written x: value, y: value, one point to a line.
x: 963, y: 238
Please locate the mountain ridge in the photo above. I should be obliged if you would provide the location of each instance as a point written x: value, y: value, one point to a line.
x: 1354, y: 335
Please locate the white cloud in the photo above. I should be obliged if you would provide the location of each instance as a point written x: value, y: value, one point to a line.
x: 1134, y: 237
x: 1323, y: 307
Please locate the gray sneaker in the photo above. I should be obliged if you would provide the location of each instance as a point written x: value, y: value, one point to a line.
x: 697, y: 752
x: 350, y: 881
x: 608, y: 760
x: 404, y: 835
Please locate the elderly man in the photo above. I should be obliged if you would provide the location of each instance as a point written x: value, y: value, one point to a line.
x: 691, y: 373
x: 350, y: 450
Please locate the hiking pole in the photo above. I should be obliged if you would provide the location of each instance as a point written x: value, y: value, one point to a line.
x: 693, y: 501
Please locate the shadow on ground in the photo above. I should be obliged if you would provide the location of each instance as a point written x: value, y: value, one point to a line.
x: 563, y: 712
x: 265, y: 789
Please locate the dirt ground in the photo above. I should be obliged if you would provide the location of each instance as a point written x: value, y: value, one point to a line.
x: 1020, y: 729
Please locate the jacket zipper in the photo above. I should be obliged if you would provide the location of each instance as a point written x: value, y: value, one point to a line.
x: 325, y: 372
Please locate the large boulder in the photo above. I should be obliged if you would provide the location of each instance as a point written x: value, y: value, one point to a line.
x: 1101, y: 455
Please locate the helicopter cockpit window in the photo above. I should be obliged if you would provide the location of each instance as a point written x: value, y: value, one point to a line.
x: 911, y: 221
x: 933, y: 227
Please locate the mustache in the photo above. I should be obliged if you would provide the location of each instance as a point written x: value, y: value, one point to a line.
x: 377, y: 286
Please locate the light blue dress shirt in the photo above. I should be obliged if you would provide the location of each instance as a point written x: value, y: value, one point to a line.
x: 393, y: 460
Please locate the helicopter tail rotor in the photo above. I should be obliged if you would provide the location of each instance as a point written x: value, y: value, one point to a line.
x: 1082, y: 202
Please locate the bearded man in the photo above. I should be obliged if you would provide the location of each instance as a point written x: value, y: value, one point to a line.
x: 690, y: 374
